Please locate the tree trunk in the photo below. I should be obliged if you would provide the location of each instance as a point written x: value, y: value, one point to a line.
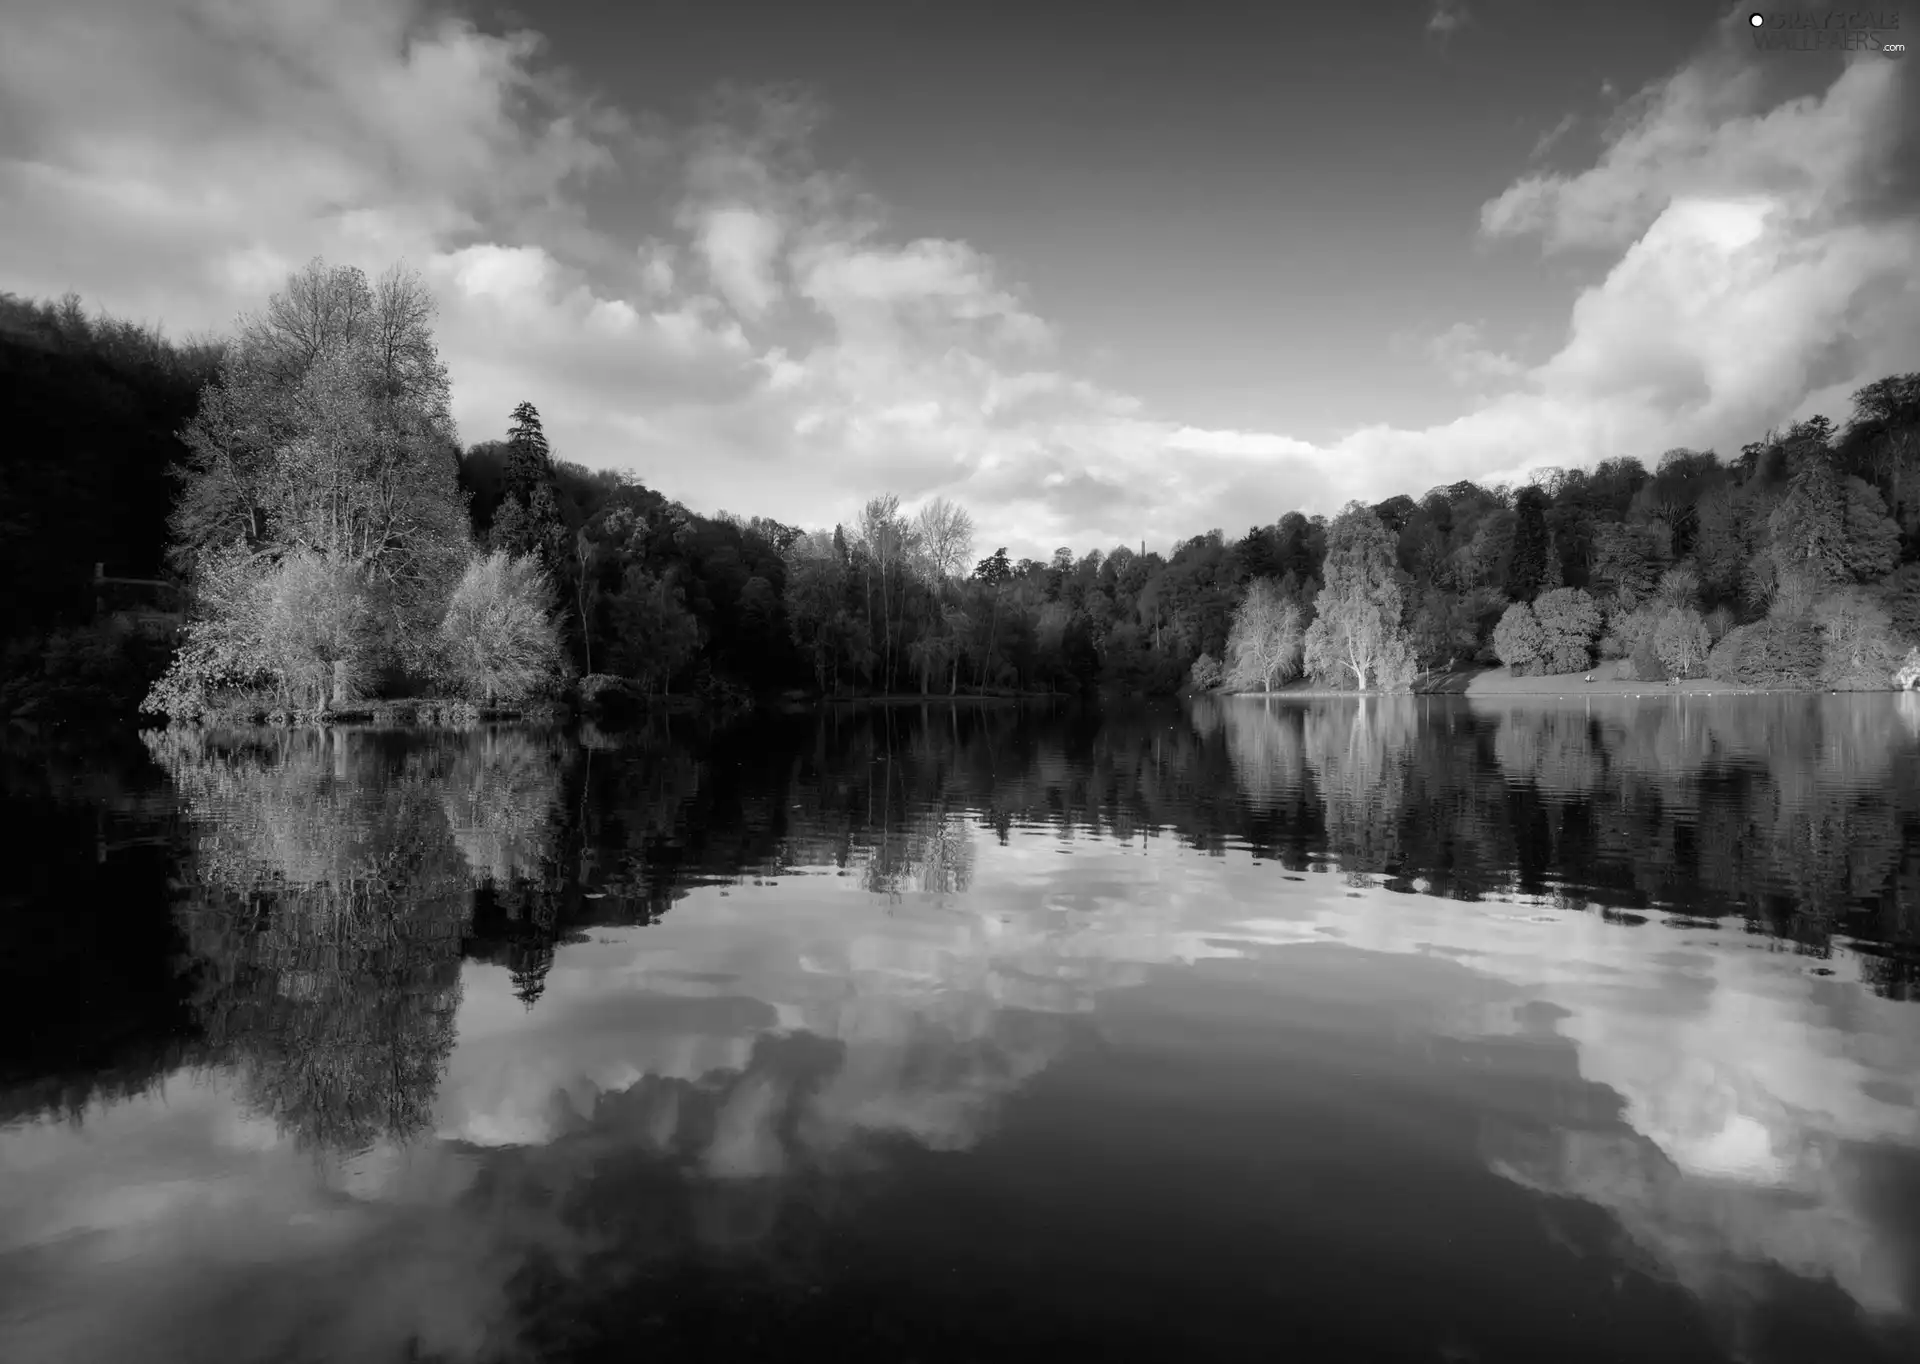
x: 340, y: 685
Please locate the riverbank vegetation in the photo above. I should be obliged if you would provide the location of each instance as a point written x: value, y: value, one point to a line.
x: 300, y: 531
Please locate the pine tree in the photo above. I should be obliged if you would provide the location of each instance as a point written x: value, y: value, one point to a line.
x: 529, y: 459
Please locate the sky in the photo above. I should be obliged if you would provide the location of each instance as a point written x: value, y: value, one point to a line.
x: 1101, y: 275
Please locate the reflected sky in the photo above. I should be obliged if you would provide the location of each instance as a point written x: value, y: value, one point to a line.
x: 1134, y: 1036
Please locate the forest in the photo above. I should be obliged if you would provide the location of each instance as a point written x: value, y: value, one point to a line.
x: 284, y: 521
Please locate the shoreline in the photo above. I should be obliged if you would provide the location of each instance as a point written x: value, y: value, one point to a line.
x: 1498, y: 682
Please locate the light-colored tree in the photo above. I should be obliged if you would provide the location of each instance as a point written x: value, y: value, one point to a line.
x: 1265, y: 641
x: 1679, y: 586
x: 327, y: 430
x: 1357, y: 627
x: 220, y: 647
x: 498, y: 635
x: 1681, y: 641
x: 317, y: 628
x: 891, y: 542
x: 945, y: 537
x: 1518, y: 640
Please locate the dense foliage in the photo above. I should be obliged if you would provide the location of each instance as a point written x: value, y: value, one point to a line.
x: 322, y: 529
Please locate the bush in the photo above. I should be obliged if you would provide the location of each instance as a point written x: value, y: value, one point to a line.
x: 1206, y: 673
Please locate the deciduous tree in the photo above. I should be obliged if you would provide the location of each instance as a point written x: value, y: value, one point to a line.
x: 498, y: 635
x: 1357, y: 629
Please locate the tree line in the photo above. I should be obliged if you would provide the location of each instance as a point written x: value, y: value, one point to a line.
x: 338, y: 543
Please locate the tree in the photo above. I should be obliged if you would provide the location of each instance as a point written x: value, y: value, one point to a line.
x: 1265, y: 642
x: 1681, y: 641
x: 1835, y: 528
x: 1518, y: 640
x: 317, y: 629
x: 1357, y: 627
x: 1627, y: 561
x: 498, y: 635
x: 221, y: 648
x: 529, y: 458
x: 1858, y: 648
x: 1527, y: 566
x: 1569, y: 622
x: 945, y: 536
x: 994, y: 568
x: 326, y: 430
x: 655, y: 635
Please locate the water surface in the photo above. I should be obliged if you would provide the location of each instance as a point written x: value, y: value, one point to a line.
x: 1406, y: 1028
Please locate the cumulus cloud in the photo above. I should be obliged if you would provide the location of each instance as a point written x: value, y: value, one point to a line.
x: 761, y: 318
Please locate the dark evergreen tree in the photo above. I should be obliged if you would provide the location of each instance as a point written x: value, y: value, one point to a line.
x: 1527, y: 566
x: 529, y: 460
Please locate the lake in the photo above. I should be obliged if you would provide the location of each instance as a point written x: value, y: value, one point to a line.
x: 1397, y: 1028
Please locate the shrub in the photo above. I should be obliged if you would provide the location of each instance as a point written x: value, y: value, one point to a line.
x: 1206, y: 673
x: 1518, y: 640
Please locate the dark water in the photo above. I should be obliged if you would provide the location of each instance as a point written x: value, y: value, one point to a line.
x: 1406, y: 1029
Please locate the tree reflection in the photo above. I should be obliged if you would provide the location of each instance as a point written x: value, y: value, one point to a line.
x: 1359, y: 754
x: 337, y: 879
x: 325, y: 909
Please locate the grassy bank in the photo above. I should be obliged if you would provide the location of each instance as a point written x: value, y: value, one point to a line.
x: 1611, y: 678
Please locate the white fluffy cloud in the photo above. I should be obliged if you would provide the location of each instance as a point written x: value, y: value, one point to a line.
x: 782, y: 350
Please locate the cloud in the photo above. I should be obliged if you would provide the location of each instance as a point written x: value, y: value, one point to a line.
x: 1550, y: 139
x: 753, y: 317
x: 1465, y: 359
x: 1446, y: 17
x: 739, y: 246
